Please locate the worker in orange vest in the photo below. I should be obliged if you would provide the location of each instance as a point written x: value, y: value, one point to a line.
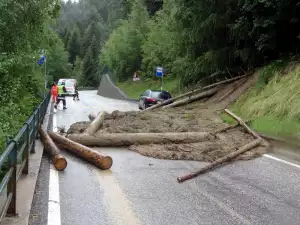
x: 54, y: 92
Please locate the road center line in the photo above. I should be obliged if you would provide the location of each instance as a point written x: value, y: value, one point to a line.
x: 53, y: 201
x: 281, y: 160
x: 117, y: 205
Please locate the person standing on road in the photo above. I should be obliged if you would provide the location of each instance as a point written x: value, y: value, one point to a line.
x: 54, y: 92
x: 61, y: 95
x: 76, y: 93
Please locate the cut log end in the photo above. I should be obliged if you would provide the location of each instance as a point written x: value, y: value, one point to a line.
x: 60, y: 163
x: 106, y: 163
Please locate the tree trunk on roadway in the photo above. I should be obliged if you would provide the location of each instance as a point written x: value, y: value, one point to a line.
x: 96, y: 124
x: 59, y: 161
x: 221, y: 160
x: 96, y: 158
x: 127, y: 139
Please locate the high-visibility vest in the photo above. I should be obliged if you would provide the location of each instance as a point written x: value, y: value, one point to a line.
x: 60, y: 90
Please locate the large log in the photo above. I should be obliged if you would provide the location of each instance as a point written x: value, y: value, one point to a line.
x: 96, y: 158
x: 249, y: 130
x: 114, y: 115
x: 127, y: 139
x: 59, y: 162
x: 221, y: 160
x: 190, y: 93
x: 197, y: 97
x: 96, y: 124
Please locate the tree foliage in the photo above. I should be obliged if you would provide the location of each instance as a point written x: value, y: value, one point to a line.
x: 122, y: 52
x: 196, y: 38
x: 84, y: 26
x: 25, y: 31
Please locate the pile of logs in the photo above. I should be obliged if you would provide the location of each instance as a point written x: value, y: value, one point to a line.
x: 79, y: 144
x: 50, y: 140
x: 195, y: 95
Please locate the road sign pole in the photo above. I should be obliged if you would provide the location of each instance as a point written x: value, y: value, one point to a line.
x: 45, y: 78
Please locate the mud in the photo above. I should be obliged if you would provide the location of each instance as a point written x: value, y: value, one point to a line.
x: 198, y: 116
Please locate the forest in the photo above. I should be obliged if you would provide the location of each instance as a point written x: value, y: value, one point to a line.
x: 192, y: 39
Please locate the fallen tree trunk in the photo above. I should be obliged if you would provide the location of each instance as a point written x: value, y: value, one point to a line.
x: 221, y: 160
x: 59, y: 162
x: 229, y: 127
x: 242, y: 123
x: 96, y: 124
x: 127, y: 139
x: 96, y: 158
x: 114, y: 115
x: 194, y: 92
x: 202, y: 95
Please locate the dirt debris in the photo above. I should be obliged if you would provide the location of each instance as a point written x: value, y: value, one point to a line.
x: 202, y: 116
x: 185, y: 119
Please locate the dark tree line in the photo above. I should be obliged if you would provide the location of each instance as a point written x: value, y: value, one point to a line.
x: 193, y: 39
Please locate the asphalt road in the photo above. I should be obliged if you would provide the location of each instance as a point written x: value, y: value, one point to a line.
x: 141, y: 190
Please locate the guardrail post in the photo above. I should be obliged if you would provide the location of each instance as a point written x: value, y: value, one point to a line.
x: 37, y: 122
x: 25, y: 155
x: 12, y: 184
x: 32, y: 150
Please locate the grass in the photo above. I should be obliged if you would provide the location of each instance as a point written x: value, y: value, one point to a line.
x: 135, y: 89
x: 274, y: 108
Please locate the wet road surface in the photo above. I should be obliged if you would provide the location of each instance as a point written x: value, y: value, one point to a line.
x: 141, y: 190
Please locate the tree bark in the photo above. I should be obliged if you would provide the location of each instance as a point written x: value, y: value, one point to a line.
x: 221, y: 160
x: 127, y: 139
x: 114, y: 115
x: 242, y: 123
x: 59, y: 162
x: 96, y: 124
x: 194, y: 92
x: 96, y: 158
x: 200, y: 96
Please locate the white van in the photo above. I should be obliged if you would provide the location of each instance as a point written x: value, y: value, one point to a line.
x: 69, y: 85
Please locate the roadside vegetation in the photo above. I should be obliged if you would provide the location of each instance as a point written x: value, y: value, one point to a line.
x: 24, y: 33
x: 273, y: 106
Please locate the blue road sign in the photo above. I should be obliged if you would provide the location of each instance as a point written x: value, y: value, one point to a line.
x: 159, y: 71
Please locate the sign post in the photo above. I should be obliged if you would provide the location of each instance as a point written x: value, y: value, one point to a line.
x: 160, y: 73
x: 42, y: 61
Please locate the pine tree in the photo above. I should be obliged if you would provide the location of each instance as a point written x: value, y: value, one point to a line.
x: 93, y: 30
x: 74, y: 45
x: 90, y: 63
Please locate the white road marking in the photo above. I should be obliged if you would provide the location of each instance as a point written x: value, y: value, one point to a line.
x: 53, y: 202
x: 116, y: 203
x: 281, y: 160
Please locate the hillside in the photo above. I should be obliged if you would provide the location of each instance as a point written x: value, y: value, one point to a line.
x: 269, y: 98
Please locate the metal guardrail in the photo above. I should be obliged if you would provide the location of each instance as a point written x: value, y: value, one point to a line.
x: 16, y: 155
